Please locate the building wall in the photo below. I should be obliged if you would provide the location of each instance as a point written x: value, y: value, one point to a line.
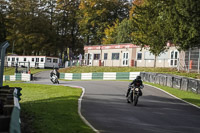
x: 109, y: 61
x: 137, y: 57
x: 148, y: 60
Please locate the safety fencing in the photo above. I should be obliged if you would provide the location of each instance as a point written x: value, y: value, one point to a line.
x: 173, y: 81
x: 17, y: 77
x: 100, y: 76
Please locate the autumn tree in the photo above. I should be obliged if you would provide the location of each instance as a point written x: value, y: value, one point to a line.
x: 96, y: 15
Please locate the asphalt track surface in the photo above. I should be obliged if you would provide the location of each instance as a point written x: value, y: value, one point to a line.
x: 104, y: 106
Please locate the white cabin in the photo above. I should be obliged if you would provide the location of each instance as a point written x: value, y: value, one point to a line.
x: 35, y: 61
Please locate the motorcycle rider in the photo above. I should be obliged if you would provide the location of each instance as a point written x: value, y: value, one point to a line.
x: 136, y: 84
x: 54, y: 72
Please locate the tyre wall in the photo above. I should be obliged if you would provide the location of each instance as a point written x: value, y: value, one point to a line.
x: 177, y: 82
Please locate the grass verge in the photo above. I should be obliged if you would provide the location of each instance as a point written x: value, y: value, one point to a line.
x: 50, y: 109
x: 185, y: 95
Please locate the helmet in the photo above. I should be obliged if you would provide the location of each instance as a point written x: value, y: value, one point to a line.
x: 138, y: 77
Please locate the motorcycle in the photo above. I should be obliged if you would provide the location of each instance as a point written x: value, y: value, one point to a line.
x: 54, y: 79
x: 133, y: 95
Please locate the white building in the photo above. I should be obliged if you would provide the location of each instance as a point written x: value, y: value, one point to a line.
x: 34, y: 61
x: 128, y: 55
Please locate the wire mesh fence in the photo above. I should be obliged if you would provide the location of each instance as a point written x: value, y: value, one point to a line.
x: 190, y: 60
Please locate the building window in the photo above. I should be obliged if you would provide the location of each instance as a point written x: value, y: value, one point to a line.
x: 37, y: 59
x: 105, y: 56
x: 139, y: 56
x: 174, y: 58
x: 13, y: 59
x: 48, y: 59
x: 96, y: 56
x: 42, y: 59
x: 33, y: 59
x: 8, y: 58
x: 115, y: 56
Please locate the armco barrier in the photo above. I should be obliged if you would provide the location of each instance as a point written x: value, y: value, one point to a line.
x: 86, y: 76
x: 178, y: 82
x: 17, y: 77
x: 133, y: 75
x: 100, y: 76
x: 122, y: 75
x: 97, y: 76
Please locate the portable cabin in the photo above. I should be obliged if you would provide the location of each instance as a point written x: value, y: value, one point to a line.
x: 128, y: 55
x: 33, y: 61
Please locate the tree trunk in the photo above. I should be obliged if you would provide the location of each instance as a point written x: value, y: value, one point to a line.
x: 155, y: 61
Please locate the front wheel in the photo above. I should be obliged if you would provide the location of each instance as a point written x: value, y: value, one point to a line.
x: 130, y: 97
x: 136, y: 100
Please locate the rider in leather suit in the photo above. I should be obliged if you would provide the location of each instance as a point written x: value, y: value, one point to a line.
x: 136, y: 83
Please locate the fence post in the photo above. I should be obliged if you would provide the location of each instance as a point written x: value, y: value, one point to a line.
x: 178, y: 64
x: 189, y: 60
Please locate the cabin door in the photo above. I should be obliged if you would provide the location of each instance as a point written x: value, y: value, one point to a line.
x: 125, y: 58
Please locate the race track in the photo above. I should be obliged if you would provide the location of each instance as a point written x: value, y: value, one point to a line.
x: 104, y: 107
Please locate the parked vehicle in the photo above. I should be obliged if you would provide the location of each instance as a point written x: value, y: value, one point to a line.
x: 133, y: 95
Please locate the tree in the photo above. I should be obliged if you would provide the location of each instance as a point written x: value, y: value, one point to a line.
x: 183, y: 18
x: 3, y: 14
x: 68, y: 27
x: 96, y: 15
x: 119, y: 33
x: 152, y: 30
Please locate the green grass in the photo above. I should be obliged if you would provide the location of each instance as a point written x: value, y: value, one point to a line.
x: 185, y: 95
x: 87, y: 69
x: 51, y: 109
x: 11, y: 70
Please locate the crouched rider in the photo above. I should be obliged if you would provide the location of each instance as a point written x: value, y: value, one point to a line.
x: 136, y: 83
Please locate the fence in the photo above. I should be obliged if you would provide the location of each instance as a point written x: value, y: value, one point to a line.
x: 190, y: 60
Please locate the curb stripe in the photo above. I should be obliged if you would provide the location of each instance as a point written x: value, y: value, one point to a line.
x: 79, y: 107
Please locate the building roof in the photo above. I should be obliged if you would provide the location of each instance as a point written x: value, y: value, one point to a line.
x: 29, y: 56
x: 111, y: 46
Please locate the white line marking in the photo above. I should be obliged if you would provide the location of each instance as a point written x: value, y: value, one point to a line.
x: 79, y: 107
x: 174, y: 96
